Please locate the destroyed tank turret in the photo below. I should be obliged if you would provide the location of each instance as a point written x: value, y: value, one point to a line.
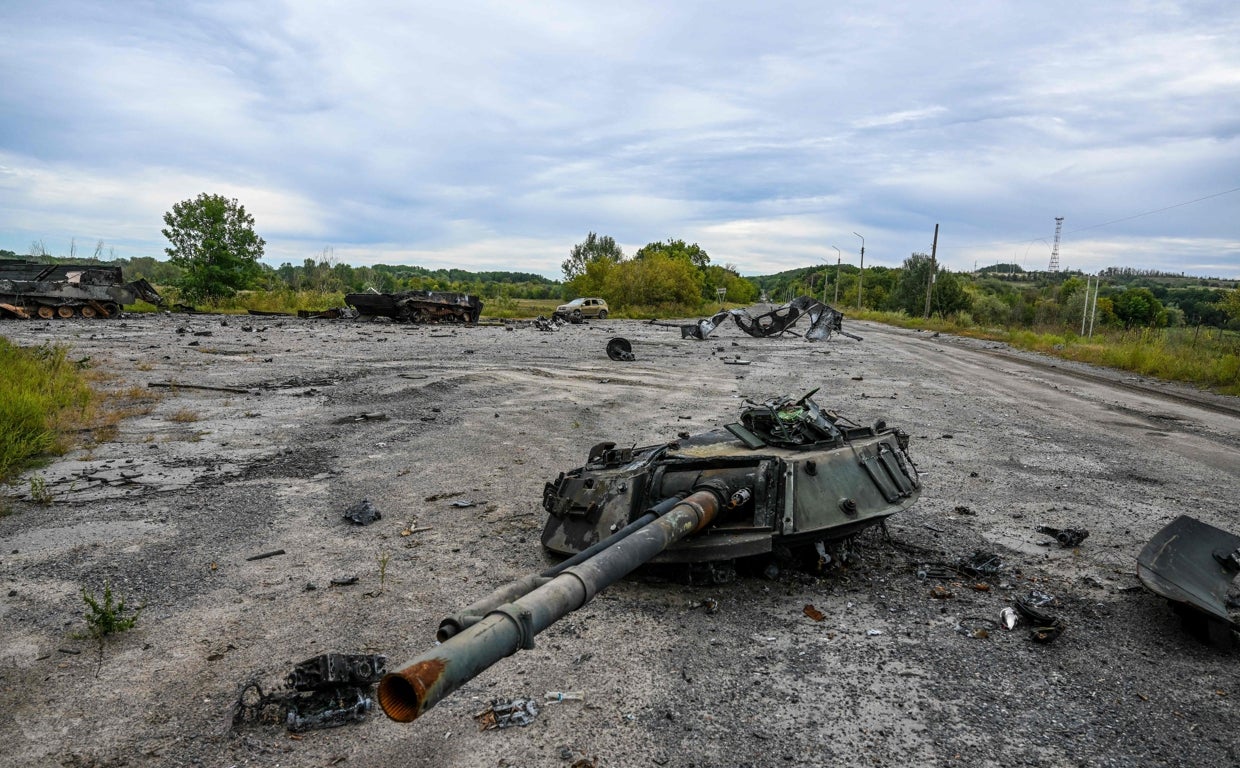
x: 49, y: 291
x: 787, y: 474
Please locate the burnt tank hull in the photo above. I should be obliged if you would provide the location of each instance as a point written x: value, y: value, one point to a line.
x: 821, y: 490
x: 418, y: 306
x: 69, y: 290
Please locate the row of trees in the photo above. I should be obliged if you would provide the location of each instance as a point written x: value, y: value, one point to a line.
x: 669, y: 275
x: 214, y: 252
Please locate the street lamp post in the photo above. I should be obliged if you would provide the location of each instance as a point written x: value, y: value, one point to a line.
x: 839, y: 257
x: 861, y: 274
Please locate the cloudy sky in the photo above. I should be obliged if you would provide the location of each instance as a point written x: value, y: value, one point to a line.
x: 495, y: 135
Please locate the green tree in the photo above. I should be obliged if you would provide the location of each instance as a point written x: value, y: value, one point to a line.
x: 676, y: 249
x: 593, y: 247
x: 909, y: 293
x: 213, y: 239
x: 1137, y: 306
x: 1231, y: 304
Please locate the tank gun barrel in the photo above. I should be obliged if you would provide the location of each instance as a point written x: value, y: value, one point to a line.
x: 533, y: 604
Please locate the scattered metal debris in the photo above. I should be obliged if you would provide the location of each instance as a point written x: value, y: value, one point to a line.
x: 980, y: 563
x: 204, y: 387
x: 462, y: 504
x: 362, y: 417
x: 1069, y: 538
x: 362, y: 513
x: 1009, y: 618
x: 503, y: 713
x: 344, y: 581
x: 823, y: 320
x: 1047, y: 627
x: 812, y: 612
x: 620, y: 349
x: 265, y: 555
x: 418, y: 306
x: 557, y: 697
x: 325, y: 691
x: 977, y: 627
x: 1193, y: 564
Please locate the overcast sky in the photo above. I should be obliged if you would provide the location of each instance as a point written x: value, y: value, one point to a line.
x: 496, y: 135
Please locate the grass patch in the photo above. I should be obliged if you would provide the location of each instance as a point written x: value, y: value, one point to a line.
x: 184, y: 416
x: 1209, y: 359
x: 43, y: 398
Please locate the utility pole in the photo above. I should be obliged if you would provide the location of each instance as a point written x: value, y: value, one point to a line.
x: 861, y: 274
x: 934, y: 246
x: 1085, y: 309
x: 838, y: 259
x: 1093, y: 312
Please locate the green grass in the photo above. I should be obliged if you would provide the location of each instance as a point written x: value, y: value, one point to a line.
x: 1209, y: 358
x: 42, y: 396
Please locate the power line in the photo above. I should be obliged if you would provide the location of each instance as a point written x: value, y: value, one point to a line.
x: 1157, y: 210
x: 1106, y: 223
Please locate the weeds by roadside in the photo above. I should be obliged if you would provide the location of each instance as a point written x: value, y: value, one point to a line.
x: 43, y: 395
x: 1209, y: 360
x: 106, y: 616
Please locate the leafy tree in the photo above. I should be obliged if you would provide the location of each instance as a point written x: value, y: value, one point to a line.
x: 213, y: 239
x: 1137, y: 306
x: 909, y: 294
x: 1231, y: 304
x: 593, y: 247
x: 676, y: 249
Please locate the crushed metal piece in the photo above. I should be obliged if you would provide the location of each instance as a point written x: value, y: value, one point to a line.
x: 1047, y: 627
x: 1193, y: 564
x: 463, y: 504
x: 823, y: 320
x: 362, y: 513
x: 326, y: 691
x: 1067, y: 537
x: 1009, y: 618
x: 980, y: 563
x: 504, y: 713
x: 813, y: 612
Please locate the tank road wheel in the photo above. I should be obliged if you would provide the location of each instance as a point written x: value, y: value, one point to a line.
x: 46, y: 312
x: 65, y: 312
x: 88, y: 312
x: 112, y: 309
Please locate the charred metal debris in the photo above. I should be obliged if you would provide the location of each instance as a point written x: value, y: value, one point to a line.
x: 1194, y: 566
x: 326, y: 691
x: 823, y: 320
x: 418, y: 306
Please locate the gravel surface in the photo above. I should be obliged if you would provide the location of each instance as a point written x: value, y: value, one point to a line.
x: 328, y: 413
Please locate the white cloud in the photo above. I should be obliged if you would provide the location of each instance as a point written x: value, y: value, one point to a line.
x: 445, y: 131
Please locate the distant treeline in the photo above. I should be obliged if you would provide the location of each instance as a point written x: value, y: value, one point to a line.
x: 675, y: 276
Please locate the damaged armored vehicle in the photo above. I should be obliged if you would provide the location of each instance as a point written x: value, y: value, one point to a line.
x: 786, y: 474
x: 51, y: 291
x: 418, y: 306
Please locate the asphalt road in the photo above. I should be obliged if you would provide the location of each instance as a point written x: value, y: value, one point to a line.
x: 169, y: 510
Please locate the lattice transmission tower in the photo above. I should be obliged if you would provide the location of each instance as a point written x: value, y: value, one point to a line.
x: 1055, y: 251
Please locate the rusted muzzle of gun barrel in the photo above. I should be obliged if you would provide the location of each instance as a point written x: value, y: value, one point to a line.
x: 409, y: 692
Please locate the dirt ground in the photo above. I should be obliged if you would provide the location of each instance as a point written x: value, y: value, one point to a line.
x: 169, y: 511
